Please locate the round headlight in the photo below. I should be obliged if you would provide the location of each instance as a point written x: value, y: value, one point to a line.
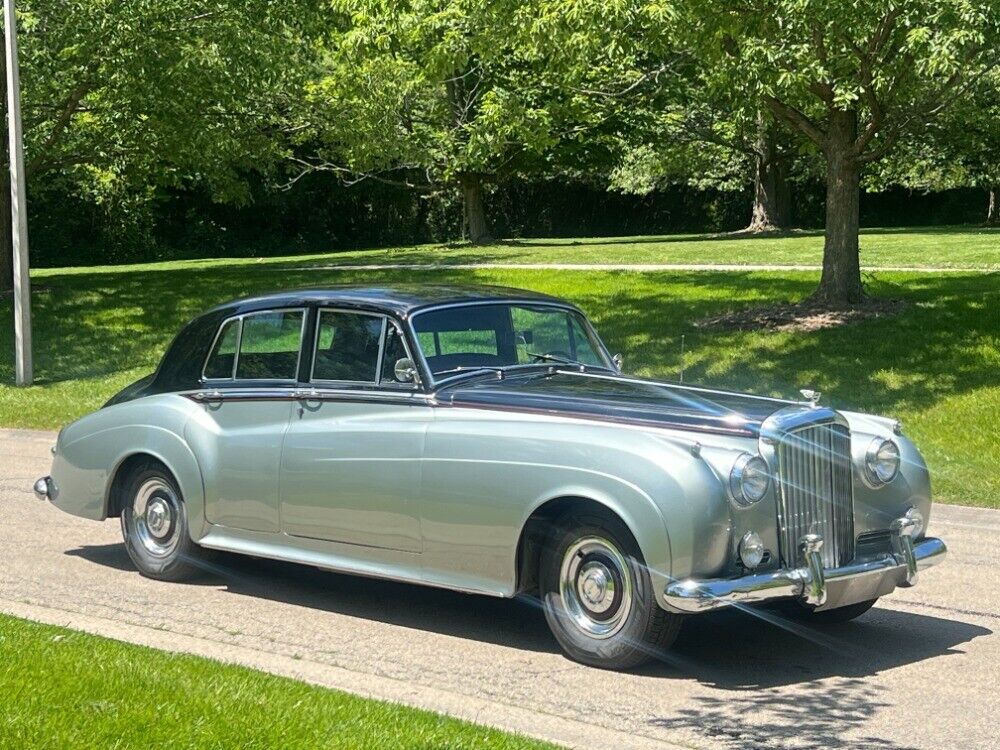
x: 882, y: 461
x: 751, y: 550
x: 749, y: 479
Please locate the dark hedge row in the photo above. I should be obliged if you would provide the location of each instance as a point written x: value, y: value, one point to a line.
x: 320, y: 215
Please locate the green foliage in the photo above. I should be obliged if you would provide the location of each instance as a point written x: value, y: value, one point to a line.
x: 897, y: 64
x: 123, y: 96
x: 425, y: 91
x: 960, y: 149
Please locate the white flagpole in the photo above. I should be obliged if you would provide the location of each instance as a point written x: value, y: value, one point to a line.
x: 18, y: 206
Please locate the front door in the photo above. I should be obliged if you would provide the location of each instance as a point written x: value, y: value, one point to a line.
x: 350, y: 468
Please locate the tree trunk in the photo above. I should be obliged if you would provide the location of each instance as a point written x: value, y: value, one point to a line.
x: 993, y: 210
x: 476, y: 226
x: 771, y: 194
x: 841, y: 280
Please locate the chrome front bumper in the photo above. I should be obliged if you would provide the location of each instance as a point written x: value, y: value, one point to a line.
x: 823, y: 589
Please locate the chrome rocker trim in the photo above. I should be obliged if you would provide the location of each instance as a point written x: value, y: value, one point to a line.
x: 822, y: 589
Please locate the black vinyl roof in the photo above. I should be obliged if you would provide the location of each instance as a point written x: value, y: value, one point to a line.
x: 402, y: 299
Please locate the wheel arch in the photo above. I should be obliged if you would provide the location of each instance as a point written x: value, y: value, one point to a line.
x: 169, y: 450
x: 539, y: 525
x: 119, y: 475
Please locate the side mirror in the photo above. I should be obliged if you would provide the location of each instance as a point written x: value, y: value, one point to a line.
x: 618, y: 361
x: 404, y: 370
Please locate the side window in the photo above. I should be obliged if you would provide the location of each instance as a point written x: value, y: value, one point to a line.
x: 269, y: 346
x: 223, y: 357
x: 395, y: 350
x: 347, y: 347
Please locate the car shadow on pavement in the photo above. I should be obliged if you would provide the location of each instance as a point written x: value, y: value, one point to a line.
x: 731, y: 650
x: 761, y: 649
x: 518, y: 624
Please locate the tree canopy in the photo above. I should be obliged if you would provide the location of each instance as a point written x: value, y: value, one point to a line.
x: 124, y: 98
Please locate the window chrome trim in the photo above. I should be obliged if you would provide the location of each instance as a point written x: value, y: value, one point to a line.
x: 239, y: 344
x: 377, y: 383
x: 434, y: 383
x: 265, y: 393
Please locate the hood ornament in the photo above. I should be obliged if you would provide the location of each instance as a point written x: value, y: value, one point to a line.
x: 811, y: 396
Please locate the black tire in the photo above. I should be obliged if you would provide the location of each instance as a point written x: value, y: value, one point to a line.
x: 829, y: 616
x: 166, y: 554
x: 637, y: 627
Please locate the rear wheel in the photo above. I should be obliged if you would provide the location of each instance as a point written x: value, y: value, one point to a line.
x: 154, y: 525
x: 598, y: 597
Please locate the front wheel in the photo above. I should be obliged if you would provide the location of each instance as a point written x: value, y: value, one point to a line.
x: 155, y: 527
x: 598, y: 597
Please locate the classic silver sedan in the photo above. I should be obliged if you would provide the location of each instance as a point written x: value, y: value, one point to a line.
x: 483, y: 439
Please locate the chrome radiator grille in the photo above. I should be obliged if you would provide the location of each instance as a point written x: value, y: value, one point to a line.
x: 815, y: 493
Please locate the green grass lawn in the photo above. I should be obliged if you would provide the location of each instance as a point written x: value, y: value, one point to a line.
x: 936, y: 366
x: 65, y: 689
x: 947, y: 247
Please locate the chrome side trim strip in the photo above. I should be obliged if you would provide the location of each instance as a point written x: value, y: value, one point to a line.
x: 310, y: 394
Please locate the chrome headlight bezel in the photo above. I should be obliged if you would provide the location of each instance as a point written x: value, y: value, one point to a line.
x: 875, y: 473
x: 745, y: 486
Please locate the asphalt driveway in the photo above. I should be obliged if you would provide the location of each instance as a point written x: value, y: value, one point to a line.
x: 920, y: 670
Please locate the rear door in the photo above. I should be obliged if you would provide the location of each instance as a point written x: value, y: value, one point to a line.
x: 249, y: 386
x: 351, y: 462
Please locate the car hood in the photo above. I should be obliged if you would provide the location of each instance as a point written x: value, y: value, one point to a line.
x: 618, y: 399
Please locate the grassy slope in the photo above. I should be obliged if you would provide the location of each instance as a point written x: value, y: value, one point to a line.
x: 949, y: 247
x: 935, y: 366
x: 67, y: 689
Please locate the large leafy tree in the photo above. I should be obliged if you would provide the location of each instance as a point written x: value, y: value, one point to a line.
x: 960, y: 149
x: 637, y: 64
x: 127, y: 95
x: 851, y: 77
x: 436, y: 95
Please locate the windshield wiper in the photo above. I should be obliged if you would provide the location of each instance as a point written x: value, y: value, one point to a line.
x: 470, y: 370
x: 555, y: 358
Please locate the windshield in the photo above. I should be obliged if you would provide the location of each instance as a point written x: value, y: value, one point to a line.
x: 467, y: 337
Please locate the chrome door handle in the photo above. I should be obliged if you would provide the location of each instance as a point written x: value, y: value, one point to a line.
x: 306, y: 394
x: 212, y: 395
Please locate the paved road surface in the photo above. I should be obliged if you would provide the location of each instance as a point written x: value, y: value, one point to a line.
x: 921, y: 670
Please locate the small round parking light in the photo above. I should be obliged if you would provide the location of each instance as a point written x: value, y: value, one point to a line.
x: 751, y: 550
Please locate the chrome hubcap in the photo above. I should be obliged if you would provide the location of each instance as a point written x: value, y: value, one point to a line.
x: 158, y: 518
x: 155, y: 512
x: 595, y: 587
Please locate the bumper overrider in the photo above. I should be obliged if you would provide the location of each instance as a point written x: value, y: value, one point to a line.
x: 823, y: 589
